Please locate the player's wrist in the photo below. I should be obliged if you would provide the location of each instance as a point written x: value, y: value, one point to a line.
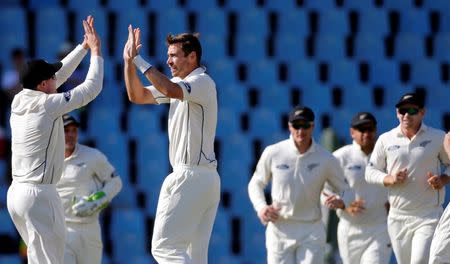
x: 141, y: 64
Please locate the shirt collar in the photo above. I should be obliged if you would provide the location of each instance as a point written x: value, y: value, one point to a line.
x: 423, y: 128
x: 311, y: 148
x: 197, y: 71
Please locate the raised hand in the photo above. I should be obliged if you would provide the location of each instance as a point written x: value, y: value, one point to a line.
x: 91, y: 38
x: 133, y: 44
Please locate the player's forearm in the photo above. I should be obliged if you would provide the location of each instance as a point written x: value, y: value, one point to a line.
x: 135, y: 89
x: 163, y: 84
x: 70, y: 63
x: 112, y: 187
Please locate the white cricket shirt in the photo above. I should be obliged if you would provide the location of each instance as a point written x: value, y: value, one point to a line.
x: 37, y: 130
x: 297, y: 179
x: 423, y: 153
x: 192, y: 121
x: 353, y: 161
x: 86, y: 171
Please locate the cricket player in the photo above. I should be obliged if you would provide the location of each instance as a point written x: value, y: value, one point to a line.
x: 440, y: 246
x: 298, y: 169
x: 407, y: 160
x: 190, y: 195
x: 88, y: 183
x: 38, y: 146
x: 362, y: 229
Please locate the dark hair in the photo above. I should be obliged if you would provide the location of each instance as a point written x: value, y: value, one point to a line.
x: 189, y: 43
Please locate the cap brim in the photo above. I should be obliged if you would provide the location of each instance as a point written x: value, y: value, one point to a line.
x: 363, y: 122
x: 57, y: 66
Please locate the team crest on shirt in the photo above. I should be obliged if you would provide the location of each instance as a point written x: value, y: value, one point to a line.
x: 67, y: 96
x: 81, y: 164
x: 393, y: 148
x: 312, y: 166
x: 188, y: 86
x: 424, y: 143
x: 282, y: 167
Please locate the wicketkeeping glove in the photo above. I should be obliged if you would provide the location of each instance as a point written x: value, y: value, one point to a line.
x: 88, y: 205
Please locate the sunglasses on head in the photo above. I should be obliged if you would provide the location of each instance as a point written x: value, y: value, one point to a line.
x: 408, y: 110
x: 298, y: 126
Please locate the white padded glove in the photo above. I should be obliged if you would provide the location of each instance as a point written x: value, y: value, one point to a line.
x: 88, y: 205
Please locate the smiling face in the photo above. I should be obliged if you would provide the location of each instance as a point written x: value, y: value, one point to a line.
x: 180, y: 64
x: 71, y: 138
x: 410, y: 117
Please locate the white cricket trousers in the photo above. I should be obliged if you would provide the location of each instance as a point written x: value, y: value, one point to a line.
x: 440, y: 247
x: 411, y: 236
x: 185, y: 215
x: 363, y: 243
x: 38, y: 215
x: 83, y: 243
x: 292, y: 242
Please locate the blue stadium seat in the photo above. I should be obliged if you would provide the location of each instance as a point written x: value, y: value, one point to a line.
x: 388, y: 116
x: 101, y: 121
x: 253, y: 233
x: 234, y: 174
x: 151, y: 175
x: 7, y: 227
x: 154, y: 146
x: 10, y: 259
x: 409, y: 47
x: 426, y: 72
x: 280, y: 6
x: 358, y: 5
x: 200, y: 6
x: 213, y: 47
x: 170, y: 21
x: 323, y: 5
x: 329, y: 47
x: 250, y: 47
x: 51, y: 32
x: 293, y: 21
x: 239, y: 5
x: 318, y: 97
x: 83, y: 5
x: 275, y: 96
x: 374, y: 21
x: 393, y: 92
x: 212, y: 21
x: 222, y: 71
x: 129, y: 232
x: 398, y: 5
x: 369, y: 47
x: 415, y: 21
x: 10, y: 3
x: 290, y: 48
x: 233, y: 96
x: 253, y: 21
x: 137, y: 17
x: 344, y: 72
x: 115, y: 146
x: 441, y: 47
x: 334, y: 21
x: 304, y: 73
x: 264, y: 121
x: 100, y: 21
x: 262, y: 72
x: 161, y: 6
x: 436, y: 5
x: 238, y: 146
x: 433, y: 117
x: 38, y: 4
x: 120, y: 6
x: 227, y: 121
x: 143, y: 121
x: 358, y: 96
x: 13, y: 22
x: 384, y: 72
x: 111, y: 96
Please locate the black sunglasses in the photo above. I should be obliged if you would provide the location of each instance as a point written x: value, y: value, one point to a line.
x: 298, y: 126
x: 409, y: 110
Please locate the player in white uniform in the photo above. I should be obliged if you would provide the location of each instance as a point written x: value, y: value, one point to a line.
x: 38, y: 146
x: 407, y: 160
x: 190, y: 195
x: 298, y: 169
x: 362, y: 229
x: 88, y: 184
x: 440, y: 246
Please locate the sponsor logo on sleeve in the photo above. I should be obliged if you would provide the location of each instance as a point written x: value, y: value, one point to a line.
x: 355, y: 167
x: 282, y: 167
x: 188, y: 86
x: 424, y: 143
x: 312, y: 166
x: 67, y: 96
x: 393, y: 148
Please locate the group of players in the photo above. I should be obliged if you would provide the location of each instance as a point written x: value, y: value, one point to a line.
x: 59, y: 186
